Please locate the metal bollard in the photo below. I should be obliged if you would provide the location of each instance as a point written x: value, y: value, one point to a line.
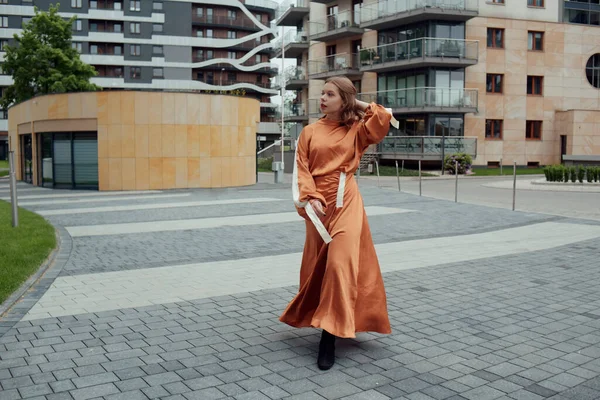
x: 398, y: 176
x: 420, y: 191
x: 377, y: 167
x: 456, y: 183
x: 402, y: 165
x: 501, y: 167
x: 13, y: 189
x: 514, y: 185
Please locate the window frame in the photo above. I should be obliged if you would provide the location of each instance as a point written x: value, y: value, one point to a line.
x: 530, y: 129
x: 493, y: 32
x: 76, y: 3
x: 135, y: 5
x: 157, y: 6
x: 492, y: 124
x: 492, y: 75
x: 543, y: 3
x: 533, y: 40
x: 533, y: 79
x: 133, y: 47
x: 131, y: 72
x: 162, y: 73
x: 137, y: 25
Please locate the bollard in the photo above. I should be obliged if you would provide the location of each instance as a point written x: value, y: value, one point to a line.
x: 377, y: 167
x: 402, y: 165
x: 398, y: 176
x: 420, y: 191
x: 514, y: 184
x: 501, y: 167
x: 13, y: 188
x: 456, y: 183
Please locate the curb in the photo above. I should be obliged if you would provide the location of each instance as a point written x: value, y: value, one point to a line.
x: 13, y: 309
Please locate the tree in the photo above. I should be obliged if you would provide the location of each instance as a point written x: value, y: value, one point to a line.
x: 43, y: 60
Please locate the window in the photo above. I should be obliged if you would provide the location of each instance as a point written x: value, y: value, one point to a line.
x: 157, y: 72
x: 78, y: 25
x: 118, y: 28
x: 533, y: 130
x: 494, y: 83
x: 231, y: 14
x: 231, y: 77
x: 231, y: 55
x: 157, y: 6
x: 118, y: 5
x: 135, y: 72
x: 535, y: 85
x: 535, y: 41
x: 118, y: 72
x: 535, y: 3
x: 157, y: 50
x: 200, y: 33
x: 157, y: 27
x: 258, y: 17
x: 592, y: 70
x: 93, y: 4
x: 93, y: 49
x: 134, y: 27
x: 495, y: 38
x: 209, y: 33
x: 496, y: 1
x: 3, y: 22
x: 3, y: 44
x: 257, y: 59
x: 77, y: 46
x: 118, y: 50
x: 493, y: 129
x: 200, y: 54
x: 200, y: 12
x: 26, y: 20
x: 134, y: 5
x: 76, y: 4
x: 231, y: 34
x: 209, y: 54
x: 135, y: 50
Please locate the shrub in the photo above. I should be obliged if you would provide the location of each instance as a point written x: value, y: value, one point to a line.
x: 464, y: 163
x: 573, y: 173
x: 566, y: 174
x: 580, y: 173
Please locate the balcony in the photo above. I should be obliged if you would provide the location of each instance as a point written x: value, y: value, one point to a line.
x: 416, y: 53
x: 240, y: 23
x: 425, y: 100
x: 389, y: 13
x: 294, y: 113
x: 425, y: 147
x: 295, y: 44
x: 334, y: 65
x: 292, y: 12
x: 333, y: 27
x: 261, y: 5
x: 269, y: 128
x: 295, y: 78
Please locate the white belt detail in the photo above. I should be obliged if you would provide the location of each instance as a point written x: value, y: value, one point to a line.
x: 310, y: 211
x: 394, y: 122
x: 339, y: 203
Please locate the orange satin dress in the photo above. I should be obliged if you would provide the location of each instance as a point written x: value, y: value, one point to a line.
x: 341, y: 287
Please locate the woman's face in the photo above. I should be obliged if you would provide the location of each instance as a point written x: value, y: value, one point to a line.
x: 331, y: 101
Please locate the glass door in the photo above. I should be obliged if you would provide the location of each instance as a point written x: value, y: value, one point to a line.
x: 27, y: 158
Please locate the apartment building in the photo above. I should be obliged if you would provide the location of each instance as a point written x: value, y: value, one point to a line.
x: 177, y: 45
x: 504, y: 80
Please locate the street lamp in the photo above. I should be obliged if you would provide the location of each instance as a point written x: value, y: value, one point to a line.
x: 221, y: 77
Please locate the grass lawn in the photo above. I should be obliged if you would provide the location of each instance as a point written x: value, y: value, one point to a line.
x: 22, y: 249
x: 508, y: 170
x: 384, y: 170
x: 3, y: 165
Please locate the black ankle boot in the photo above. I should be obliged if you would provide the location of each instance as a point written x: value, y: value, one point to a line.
x: 326, y: 357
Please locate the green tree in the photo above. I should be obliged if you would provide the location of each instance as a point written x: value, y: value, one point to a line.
x: 43, y: 60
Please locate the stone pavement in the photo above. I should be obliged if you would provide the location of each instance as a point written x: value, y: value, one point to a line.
x: 176, y: 295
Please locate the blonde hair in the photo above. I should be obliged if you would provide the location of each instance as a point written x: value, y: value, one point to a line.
x: 348, y: 113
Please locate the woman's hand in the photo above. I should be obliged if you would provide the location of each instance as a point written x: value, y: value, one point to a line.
x: 318, y: 207
x: 361, y: 105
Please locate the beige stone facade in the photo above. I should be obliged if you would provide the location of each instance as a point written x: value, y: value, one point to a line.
x: 150, y: 140
x: 562, y: 65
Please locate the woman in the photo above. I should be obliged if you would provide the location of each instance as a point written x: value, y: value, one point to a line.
x: 341, y: 288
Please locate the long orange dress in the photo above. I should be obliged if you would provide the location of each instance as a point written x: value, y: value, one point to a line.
x: 341, y: 287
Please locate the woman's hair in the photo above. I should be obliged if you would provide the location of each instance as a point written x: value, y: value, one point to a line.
x: 348, y: 114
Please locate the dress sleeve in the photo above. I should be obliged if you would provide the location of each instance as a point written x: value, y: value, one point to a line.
x: 303, y: 186
x: 374, y: 125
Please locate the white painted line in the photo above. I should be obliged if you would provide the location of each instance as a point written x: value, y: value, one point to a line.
x: 81, y: 194
x: 156, y: 206
x: 100, y: 199
x: 202, y: 223
x: 71, y: 295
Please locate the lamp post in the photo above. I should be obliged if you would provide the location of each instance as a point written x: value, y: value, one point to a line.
x: 221, y: 77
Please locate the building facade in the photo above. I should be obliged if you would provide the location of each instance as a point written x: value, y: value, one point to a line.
x: 199, y: 45
x: 498, y: 79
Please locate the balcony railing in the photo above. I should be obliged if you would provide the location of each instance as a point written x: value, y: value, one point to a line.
x: 262, y: 3
x: 427, y: 146
x: 424, y: 97
x: 287, y: 4
x: 269, y: 127
x: 388, y: 8
x: 420, y: 49
x: 344, y: 19
x: 293, y: 73
x: 225, y: 20
x: 293, y: 111
x: 337, y: 62
x: 291, y: 37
